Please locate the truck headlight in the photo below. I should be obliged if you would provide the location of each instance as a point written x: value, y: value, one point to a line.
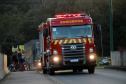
x: 55, y: 52
x: 91, y: 49
x: 56, y: 59
x: 39, y: 64
x: 91, y: 57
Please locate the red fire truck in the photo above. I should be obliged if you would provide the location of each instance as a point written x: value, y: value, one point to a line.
x: 67, y: 42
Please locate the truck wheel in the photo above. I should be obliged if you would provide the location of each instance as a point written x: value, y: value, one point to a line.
x: 74, y: 70
x: 44, y: 71
x: 80, y: 70
x: 91, y: 69
x: 51, y: 72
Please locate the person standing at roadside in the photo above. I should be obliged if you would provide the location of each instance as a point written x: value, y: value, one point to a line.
x: 14, y: 58
x: 19, y: 56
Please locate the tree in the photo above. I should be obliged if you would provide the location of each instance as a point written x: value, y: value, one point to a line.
x: 30, y: 26
x: 9, y: 25
x: 16, y: 27
x: 119, y: 23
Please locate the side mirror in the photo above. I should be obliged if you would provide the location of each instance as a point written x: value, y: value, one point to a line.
x: 45, y: 32
x: 98, y: 29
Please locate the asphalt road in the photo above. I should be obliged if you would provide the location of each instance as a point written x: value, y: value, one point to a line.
x: 101, y: 76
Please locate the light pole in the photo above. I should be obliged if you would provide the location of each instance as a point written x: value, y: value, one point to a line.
x: 101, y: 43
x: 111, y: 27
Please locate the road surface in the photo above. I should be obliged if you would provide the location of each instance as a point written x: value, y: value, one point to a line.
x: 26, y: 77
x: 101, y: 76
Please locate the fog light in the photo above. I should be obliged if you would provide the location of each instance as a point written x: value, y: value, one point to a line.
x: 56, y: 59
x: 92, y: 57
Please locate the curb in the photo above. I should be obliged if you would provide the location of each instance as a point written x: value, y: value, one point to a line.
x: 115, y: 67
x: 4, y: 77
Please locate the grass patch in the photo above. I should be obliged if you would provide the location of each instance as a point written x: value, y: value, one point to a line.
x: 99, y: 59
x: 98, y: 66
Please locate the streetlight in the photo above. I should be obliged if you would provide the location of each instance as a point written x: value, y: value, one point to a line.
x: 111, y: 27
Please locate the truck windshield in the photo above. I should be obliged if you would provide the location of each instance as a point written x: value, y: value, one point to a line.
x: 67, y: 32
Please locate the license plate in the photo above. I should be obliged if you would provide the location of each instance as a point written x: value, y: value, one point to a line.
x: 74, y: 60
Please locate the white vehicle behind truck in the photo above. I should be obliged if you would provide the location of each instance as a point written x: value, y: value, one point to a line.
x: 32, y: 54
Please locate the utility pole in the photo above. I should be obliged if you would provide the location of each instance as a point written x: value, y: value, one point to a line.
x: 0, y: 47
x: 111, y: 27
x: 101, y: 43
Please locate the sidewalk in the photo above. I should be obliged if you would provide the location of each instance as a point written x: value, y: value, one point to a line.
x: 26, y: 77
x: 116, y: 67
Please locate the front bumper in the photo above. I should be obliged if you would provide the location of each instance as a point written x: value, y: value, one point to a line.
x: 73, y: 66
x: 81, y: 63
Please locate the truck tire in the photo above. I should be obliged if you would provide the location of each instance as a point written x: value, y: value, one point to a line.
x: 74, y: 70
x: 51, y: 72
x: 80, y: 70
x: 91, y: 69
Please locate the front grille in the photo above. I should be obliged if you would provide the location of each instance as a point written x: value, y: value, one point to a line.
x: 76, y: 53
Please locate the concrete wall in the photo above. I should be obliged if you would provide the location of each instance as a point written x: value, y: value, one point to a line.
x: 2, y: 72
x: 124, y: 58
x: 118, y: 58
x: 3, y: 65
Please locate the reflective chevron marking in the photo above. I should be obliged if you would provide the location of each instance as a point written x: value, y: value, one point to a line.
x: 84, y: 40
x: 60, y: 41
x: 55, y: 42
x: 89, y: 40
x: 65, y: 41
x: 79, y: 40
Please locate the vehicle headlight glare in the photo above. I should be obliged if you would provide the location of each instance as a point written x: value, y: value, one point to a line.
x: 56, y: 59
x: 91, y: 49
x: 39, y: 64
x: 55, y: 52
x: 92, y: 57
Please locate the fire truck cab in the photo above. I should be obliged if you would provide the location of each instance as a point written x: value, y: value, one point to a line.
x: 67, y: 42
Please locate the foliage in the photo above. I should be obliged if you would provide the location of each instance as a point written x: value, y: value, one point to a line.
x: 16, y: 27
x: 119, y: 23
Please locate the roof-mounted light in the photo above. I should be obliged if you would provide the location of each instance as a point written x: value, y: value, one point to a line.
x: 70, y: 15
x: 64, y: 15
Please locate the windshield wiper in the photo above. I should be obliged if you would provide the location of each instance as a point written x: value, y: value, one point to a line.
x: 61, y: 38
